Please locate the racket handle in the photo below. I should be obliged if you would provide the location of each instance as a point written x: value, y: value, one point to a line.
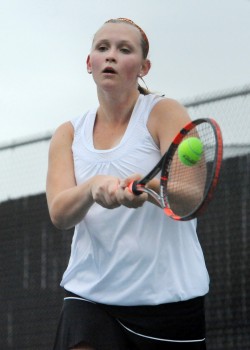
x: 133, y: 188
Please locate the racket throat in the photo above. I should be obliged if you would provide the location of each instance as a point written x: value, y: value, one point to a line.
x: 156, y: 197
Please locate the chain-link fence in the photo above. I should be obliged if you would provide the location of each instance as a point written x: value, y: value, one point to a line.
x: 23, y: 170
x: 231, y: 109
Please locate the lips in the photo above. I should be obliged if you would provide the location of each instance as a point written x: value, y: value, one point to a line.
x: 109, y: 70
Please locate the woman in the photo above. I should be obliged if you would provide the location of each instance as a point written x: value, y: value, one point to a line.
x: 136, y: 279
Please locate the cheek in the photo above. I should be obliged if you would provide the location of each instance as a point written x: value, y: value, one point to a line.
x: 95, y: 61
x: 132, y: 68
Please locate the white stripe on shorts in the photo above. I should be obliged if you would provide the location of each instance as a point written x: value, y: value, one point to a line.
x: 76, y: 298
x: 160, y: 339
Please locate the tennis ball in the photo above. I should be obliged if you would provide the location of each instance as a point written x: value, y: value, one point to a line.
x: 190, y: 151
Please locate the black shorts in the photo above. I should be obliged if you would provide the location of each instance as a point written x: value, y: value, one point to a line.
x: 171, y: 326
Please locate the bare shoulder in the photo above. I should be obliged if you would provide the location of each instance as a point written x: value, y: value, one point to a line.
x: 171, y: 112
x: 60, y: 161
x: 166, y: 119
x: 63, y: 135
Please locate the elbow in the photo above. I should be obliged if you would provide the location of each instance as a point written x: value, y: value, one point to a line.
x: 59, y: 223
x: 59, y: 220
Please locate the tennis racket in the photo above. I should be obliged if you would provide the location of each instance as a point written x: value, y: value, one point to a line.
x: 185, y: 190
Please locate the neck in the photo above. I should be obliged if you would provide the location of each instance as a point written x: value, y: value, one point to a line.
x: 113, y: 116
x: 116, y: 108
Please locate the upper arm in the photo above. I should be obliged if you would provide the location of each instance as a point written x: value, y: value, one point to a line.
x: 166, y: 119
x: 60, y: 175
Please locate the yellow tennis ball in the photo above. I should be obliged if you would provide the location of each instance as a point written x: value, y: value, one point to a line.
x: 190, y: 151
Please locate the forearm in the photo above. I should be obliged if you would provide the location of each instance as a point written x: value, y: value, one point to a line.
x: 70, y: 206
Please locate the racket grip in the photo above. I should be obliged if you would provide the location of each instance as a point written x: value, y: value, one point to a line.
x: 133, y: 188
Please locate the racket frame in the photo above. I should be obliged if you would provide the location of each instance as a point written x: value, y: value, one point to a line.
x: 137, y: 187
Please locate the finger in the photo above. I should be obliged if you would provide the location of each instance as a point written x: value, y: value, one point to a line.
x: 129, y: 200
x: 126, y: 182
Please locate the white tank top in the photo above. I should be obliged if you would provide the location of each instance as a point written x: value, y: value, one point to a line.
x: 130, y: 256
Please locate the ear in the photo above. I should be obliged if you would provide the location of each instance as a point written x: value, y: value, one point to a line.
x: 89, y: 68
x: 146, y: 65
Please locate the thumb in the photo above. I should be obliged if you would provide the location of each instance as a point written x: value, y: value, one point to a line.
x: 130, y: 179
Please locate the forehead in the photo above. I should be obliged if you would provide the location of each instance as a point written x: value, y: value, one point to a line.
x: 118, y: 31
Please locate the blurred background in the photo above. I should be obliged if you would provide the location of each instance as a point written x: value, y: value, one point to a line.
x: 200, y: 56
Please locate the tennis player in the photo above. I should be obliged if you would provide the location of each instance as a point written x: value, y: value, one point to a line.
x: 136, y: 279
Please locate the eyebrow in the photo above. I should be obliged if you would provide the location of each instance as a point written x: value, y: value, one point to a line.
x: 120, y: 42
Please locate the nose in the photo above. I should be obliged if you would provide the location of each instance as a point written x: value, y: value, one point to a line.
x: 111, y: 56
x: 110, y: 59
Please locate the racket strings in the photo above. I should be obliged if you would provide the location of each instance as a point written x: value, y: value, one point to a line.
x: 188, y: 185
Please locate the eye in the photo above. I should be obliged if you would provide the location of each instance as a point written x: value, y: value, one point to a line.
x: 102, y: 48
x: 125, y: 50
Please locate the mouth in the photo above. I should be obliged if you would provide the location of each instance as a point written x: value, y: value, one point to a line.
x: 109, y: 70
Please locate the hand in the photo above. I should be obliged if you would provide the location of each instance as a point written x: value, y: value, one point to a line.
x: 104, y: 191
x: 124, y: 195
